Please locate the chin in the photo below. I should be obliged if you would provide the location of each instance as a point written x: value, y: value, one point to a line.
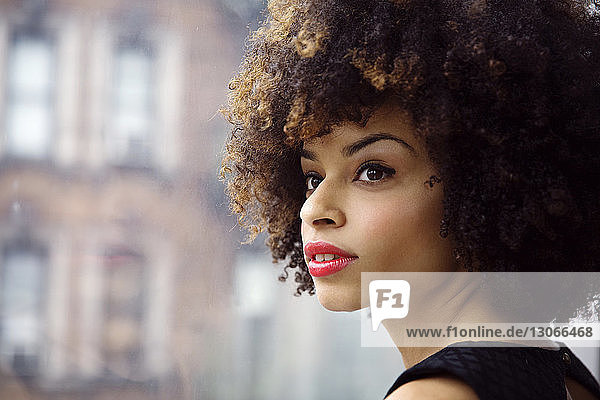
x: 337, y: 301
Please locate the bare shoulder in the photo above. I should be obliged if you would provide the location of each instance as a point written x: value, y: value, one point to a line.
x: 446, y: 387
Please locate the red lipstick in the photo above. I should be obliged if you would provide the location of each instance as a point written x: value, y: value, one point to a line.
x: 324, y: 265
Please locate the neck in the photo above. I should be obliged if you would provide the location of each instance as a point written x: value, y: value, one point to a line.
x: 452, y: 306
x: 414, y: 355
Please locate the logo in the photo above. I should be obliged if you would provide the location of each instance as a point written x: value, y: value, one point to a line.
x: 388, y: 299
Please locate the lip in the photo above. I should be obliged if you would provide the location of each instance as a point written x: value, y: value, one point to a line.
x: 323, y: 268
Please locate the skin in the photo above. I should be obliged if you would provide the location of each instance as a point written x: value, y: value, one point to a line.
x: 442, y: 387
x: 384, y: 214
x: 391, y: 221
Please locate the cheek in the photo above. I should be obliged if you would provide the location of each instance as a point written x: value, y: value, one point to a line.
x: 404, y: 225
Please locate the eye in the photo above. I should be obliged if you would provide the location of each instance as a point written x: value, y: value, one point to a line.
x: 312, y: 180
x: 373, y: 172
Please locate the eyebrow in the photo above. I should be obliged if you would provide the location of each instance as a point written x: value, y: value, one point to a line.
x: 355, y: 147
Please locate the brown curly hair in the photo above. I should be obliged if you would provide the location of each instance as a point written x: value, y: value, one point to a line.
x: 506, y: 95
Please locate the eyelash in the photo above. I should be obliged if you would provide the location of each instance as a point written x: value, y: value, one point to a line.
x: 388, y: 172
x: 309, y: 175
x: 368, y: 165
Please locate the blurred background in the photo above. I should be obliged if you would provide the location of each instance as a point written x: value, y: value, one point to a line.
x: 121, y: 272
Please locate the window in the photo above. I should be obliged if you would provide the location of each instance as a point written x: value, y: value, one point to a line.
x: 23, y: 276
x: 30, y: 96
x: 129, y: 137
x: 123, y: 312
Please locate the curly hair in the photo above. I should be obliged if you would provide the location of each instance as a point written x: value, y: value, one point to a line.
x: 506, y: 95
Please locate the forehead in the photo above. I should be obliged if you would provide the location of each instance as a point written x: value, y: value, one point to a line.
x: 388, y: 122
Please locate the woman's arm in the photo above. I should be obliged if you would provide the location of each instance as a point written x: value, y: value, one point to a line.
x: 446, y: 387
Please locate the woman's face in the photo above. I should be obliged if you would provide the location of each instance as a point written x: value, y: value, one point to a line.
x: 370, y: 206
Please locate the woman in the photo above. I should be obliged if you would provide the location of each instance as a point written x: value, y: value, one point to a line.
x: 415, y: 135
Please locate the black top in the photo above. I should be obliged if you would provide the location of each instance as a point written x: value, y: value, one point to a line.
x: 506, y: 372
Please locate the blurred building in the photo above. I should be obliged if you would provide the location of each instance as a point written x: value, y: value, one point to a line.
x: 112, y: 272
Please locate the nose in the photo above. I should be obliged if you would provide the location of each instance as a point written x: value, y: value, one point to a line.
x: 323, y: 208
